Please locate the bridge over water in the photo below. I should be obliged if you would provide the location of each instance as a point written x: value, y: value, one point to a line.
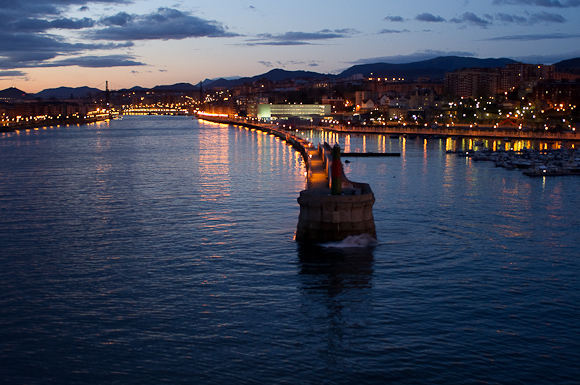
x: 155, y: 111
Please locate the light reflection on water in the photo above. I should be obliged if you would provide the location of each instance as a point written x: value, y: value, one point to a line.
x: 160, y: 249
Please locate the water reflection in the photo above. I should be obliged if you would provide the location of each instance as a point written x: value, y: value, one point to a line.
x: 333, y: 284
x: 213, y: 163
x: 335, y: 270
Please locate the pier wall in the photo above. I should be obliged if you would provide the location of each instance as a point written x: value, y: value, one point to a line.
x: 331, y: 218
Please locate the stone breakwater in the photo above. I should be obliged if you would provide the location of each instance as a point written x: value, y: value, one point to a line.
x: 324, y: 217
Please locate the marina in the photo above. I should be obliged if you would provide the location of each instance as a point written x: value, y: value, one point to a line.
x: 561, y: 162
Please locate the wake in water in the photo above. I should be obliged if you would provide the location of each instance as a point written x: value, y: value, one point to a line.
x: 363, y: 240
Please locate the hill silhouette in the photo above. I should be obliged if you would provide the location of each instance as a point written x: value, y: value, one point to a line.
x: 435, y: 69
x: 12, y: 93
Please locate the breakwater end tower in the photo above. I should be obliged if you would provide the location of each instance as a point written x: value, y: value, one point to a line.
x: 336, y: 209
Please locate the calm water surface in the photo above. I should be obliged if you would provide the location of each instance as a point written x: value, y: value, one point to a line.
x: 160, y: 250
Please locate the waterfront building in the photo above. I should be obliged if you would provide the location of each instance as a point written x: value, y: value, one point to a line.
x: 269, y: 112
x: 472, y: 82
x: 481, y: 82
x: 361, y: 97
x: 557, y: 94
x: 367, y: 105
x: 421, y: 99
x: 337, y: 104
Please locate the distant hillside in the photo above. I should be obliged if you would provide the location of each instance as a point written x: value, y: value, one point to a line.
x: 63, y: 93
x: 12, y: 93
x: 136, y: 89
x: 179, y: 87
x: 571, y: 66
x: 433, y: 68
x: 275, y: 75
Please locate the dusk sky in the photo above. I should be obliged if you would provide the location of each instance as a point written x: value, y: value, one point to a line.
x: 52, y: 43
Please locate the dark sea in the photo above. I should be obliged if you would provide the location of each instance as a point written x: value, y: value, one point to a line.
x: 160, y: 250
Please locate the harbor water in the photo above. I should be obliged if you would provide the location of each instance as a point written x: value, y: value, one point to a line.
x: 160, y: 250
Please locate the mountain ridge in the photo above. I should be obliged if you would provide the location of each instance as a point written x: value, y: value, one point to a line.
x: 434, y: 69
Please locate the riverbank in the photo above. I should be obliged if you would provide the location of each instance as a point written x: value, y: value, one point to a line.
x: 48, y: 123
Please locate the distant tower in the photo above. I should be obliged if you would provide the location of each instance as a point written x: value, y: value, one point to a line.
x: 201, y: 98
x: 107, y: 93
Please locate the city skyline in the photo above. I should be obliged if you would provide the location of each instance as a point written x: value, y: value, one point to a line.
x: 47, y: 44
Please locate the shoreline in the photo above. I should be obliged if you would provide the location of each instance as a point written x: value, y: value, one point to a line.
x: 29, y: 126
x: 481, y: 132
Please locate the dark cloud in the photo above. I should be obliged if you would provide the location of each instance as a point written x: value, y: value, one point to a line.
x: 96, y: 61
x: 297, y: 36
x: 267, y: 64
x: 545, y: 17
x: 120, y: 19
x: 30, y: 8
x: 505, y: 18
x: 11, y: 74
x: 26, y: 50
x: 342, y: 31
x: 428, y: 17
x: 24, y: 41
x: 532, y: 37
x: 536, y: 18
x: 471, y: 18
x: 281, y: 64
x: 300, y: 38
x: 165, y: 24
x: 29, y: 33
x: 540, y: 3
x: 278, y: 43
x: 389, y: 31
x: 395, y: 19
x: 42, y: 25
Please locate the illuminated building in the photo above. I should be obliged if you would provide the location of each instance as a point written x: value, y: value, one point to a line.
x: 269, y: 112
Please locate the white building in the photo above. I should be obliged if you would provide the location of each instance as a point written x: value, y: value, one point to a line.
x: 269, y: 112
